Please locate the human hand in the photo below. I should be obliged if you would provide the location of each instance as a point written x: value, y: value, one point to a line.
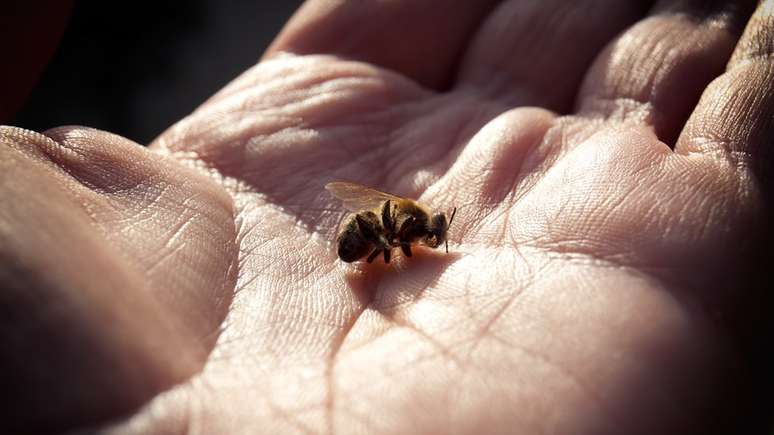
x: 599, y: 282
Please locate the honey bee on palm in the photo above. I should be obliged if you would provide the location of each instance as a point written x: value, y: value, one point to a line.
x: 381, y: 222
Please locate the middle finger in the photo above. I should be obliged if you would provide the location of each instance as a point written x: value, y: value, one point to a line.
x: 536, y: 52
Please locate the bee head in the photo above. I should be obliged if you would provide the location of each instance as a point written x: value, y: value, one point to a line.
x: 438, y: 228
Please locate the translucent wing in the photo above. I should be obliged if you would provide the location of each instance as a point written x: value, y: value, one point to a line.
x: 357, y: 197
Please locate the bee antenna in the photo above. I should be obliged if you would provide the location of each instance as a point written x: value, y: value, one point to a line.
x: 452, y: 215
x: 451, y: 219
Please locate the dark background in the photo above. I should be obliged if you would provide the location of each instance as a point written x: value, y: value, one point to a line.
x: 135, y: 68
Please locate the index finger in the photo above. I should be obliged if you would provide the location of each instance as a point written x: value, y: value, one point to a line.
x: 419, y: 38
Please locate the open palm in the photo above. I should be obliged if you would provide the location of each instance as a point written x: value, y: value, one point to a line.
x: 595, y: 277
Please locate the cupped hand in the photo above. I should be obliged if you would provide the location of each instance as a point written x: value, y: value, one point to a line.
x: 608, y: 162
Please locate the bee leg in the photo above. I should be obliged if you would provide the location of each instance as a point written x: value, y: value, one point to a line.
x: 368, y: 223
x: 406, y: 248
x: 387, y: 221
x: 405, y: 226
x: 373, y: 255
x: 387, y: 254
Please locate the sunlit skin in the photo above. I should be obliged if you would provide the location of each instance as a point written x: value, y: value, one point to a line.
x: 606, y: 169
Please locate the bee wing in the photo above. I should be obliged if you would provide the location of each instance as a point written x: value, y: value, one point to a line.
x: 357, y: 197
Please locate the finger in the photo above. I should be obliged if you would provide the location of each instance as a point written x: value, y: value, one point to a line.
x: 29, y: 34
x: 421, y: 39
x: 735, y: 116
x: 655, y: 72
x: 734, y: 122
x: 536, y: 52
x: 174, y: 225
x: 83, y: 339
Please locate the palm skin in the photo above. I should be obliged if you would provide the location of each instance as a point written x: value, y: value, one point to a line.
x: 592, y: 283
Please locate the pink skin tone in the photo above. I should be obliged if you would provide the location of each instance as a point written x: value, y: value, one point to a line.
x: 602, y: 268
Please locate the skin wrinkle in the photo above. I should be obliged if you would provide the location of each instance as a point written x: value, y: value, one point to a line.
x: 164, y: 257
x: 670, y: 53
x: 386, y: 376
x: 325, y: 81
x: 111, y: 192
x: 47, y: 149
x: 69, y: 140
x: 232, y: 270
x: 79, y: 196
x: 548, y: 158
x: 292, y: 269
x: 311, y: 230
x: 280, y: 75
x: 289, y: 417
x: 442, y: 350
x: 400, y: 159
x: 474, y: 315
x: 513, y: 24
x: 489, y: 324
x: 407, y: 324
x: 526, y: 154
x: 562, y: 205
x: 398, y: 371
x: 482, y: 117
x: 488, y: 174
x: 120, y: 277
x: 764, y: 58
x: 143, y: 213
x: 350, y: 163
x: 711, y: 30
x: 585, y: 389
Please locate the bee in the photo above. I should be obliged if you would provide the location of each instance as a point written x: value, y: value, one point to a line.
x: 381, y: 222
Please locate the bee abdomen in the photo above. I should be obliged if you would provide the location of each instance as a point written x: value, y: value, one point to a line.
x: 352, y: 246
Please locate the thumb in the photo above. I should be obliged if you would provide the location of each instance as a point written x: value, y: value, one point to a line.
x: 115, y: 274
